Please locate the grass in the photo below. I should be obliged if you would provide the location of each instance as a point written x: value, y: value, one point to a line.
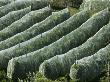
x: 39, y: 78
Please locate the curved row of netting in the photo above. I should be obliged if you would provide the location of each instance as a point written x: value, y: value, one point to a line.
x: 33, y: 37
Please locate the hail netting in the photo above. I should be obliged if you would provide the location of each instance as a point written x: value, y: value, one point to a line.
x: 95, y: 5
x: 60, y: 65
x: 91, y: 66
x: 44, y: 39
x: 88, y: 48
x: 5, y: 2
x: 20, y: 4
x: 12, y: 17
x: 31, y: 61
x: 25, y: 22
x: 38, y: 28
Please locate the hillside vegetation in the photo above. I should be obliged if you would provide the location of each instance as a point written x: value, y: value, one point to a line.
x: 54, y: 40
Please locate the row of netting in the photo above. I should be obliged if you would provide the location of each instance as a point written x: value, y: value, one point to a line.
x: 55, y: 60
x: 34, y: 37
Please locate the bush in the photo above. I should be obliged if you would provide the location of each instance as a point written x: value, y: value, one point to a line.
x: 57, y: 5
x: 76, y: 3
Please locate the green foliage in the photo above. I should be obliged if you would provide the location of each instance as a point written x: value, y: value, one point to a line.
x: 38, y: 28
x: 5, y: 2
x: 60, y: 46
x: 91, y: 66
x: 25, y: 22
x: 2, y: 75
x: 95, y: 5
x: 12, y: 17
x: 76, y: 3
x: 57, y: 5
x: 50, y: 67
x: 11, y: 9
x: 17, y: 5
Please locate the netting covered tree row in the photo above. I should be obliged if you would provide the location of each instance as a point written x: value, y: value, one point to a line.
x: 19, y: 66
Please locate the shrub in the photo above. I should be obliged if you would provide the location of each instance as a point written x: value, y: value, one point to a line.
x: 76, y: 3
